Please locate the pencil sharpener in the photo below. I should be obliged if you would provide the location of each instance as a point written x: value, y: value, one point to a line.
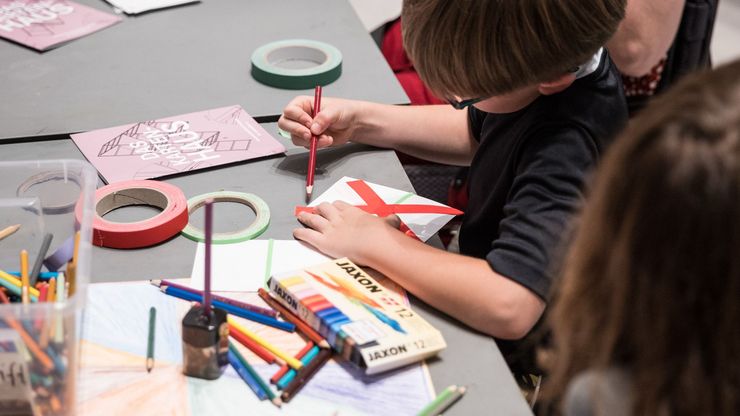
x: 205, y: 343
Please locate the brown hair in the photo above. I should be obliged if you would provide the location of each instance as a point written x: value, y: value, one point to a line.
x: 651, y: 282
x: 474, y: 48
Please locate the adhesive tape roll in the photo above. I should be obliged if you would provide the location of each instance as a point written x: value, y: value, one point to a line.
x: 296, y: 64
x: 255, y: 229
x: 43, y: 177
x: 169, y: 222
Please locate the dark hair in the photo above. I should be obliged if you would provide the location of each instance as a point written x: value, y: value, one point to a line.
x: 475, y: 48
x: 651, y: 282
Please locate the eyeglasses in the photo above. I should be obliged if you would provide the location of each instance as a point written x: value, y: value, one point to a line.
x: 460, y: 104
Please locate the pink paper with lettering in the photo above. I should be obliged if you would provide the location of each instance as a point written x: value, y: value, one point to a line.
x: 43, y: 24
x: 177, y: 144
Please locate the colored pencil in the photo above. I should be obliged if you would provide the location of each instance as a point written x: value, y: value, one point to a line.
x: 266, y: 388
x: 292, y: 362
x: 150, y: 339
x: 233, y: 310
x: 41, y: 275
x: 289, y: 316
x: 43, y: 292
x: 233, y: 302
x: 8, y: 231
x: 52, y: 295
x: 32, y: 346
x: 209, y: 236
x: 61, y: 296
x: 304, y: 376
x: 14, y: 284
x: 290, y: 375
x: 25, y: 298
x: 245, y: 375
x: 71, y: 271
x: 443, y: 401
x: 284, y: 369
x: 256, y: 348
x: 40, y: 258
x: 312, y: 148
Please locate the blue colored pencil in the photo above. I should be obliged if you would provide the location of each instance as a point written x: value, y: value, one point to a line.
x: 263, y: 386
x: 41, y: 275
x: 246, y: 376
x: 290, y: 375
x: 236, y: 311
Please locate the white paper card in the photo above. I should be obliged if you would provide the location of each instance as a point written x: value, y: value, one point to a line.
x: 423, y: 225
x: 243, y: 267
x: 140, y: 6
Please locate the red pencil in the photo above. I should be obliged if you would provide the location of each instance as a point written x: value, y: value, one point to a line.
x: 284, y: 369
x: 314, y: 140
x: 287, y: 315
x: 256, y: 348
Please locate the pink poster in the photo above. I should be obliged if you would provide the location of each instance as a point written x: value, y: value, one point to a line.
x: 44, y: 24
x: 177, y: 144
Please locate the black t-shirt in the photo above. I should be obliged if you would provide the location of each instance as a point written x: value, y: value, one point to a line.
x: 527, y: 176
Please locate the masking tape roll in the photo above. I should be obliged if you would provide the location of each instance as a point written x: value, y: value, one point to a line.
x: 154, y: 230
x: 254, y: 230
x: 43, y: 177
x: 296, y: 64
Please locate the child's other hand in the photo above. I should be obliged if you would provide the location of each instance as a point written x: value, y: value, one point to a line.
x: 342, y: 230
x: 334, y: 125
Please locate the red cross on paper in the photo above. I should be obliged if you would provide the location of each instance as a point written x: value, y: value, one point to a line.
x: 375, y: 205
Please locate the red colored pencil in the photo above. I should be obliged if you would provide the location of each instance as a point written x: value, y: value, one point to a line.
x: 312, y: 149
x: 290, y: 317
x: 284, y: 369
x: 253, y: 346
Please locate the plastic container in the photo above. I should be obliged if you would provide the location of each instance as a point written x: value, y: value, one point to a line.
x: 40, y: 342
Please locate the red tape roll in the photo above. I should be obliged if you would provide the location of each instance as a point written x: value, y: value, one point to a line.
x: 169, y: 222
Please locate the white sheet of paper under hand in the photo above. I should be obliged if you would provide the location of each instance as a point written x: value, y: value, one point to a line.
x: 423, y: 225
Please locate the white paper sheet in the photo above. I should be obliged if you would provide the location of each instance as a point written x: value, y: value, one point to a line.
x: 423, y: 225
x: 141, y: 6
x: 244, y: 267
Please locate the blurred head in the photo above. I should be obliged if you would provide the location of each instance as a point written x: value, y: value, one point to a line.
x: 652, y: 279
x: 482, y: 48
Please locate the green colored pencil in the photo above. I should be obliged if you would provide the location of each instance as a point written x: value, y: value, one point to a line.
x: 443, y: 401
x: 273, y: 398
x: 150, y: 339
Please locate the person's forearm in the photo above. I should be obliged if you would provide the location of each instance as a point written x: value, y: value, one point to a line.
x: 464, y: 287
x: 645, y: 35
x: 437, y: 133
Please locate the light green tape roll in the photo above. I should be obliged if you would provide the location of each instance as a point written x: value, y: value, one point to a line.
x: 296, y: 64
x: 254, y: 230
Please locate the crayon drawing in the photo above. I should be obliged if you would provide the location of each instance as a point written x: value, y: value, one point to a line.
x: 113, y: 373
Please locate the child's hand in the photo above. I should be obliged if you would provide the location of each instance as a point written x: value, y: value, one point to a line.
x: 334, y: 125
x: 342, y: 230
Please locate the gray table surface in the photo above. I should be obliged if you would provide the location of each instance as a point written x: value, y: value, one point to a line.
x: 176, y: 61
x: 471, y: 358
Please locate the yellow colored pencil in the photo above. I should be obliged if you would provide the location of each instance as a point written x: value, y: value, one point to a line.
x: 8, y: 231
x: 25, y: 298
x: 14, y: 281
x: 290, y: 360
x: 72, y: 265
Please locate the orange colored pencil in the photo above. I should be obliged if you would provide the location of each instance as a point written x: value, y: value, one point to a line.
x: 25, y: 298
x: 290, y: 317
x: 52, y: 293
x: 284, y: 369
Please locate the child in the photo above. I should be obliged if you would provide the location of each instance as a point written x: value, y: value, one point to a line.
x: 539, y: 99
x: 645, y: 321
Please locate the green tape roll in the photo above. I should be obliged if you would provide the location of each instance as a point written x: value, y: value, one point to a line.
x: 296, y: 64
x: 254, y: 230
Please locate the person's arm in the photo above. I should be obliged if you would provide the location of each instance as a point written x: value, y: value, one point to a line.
x: 438, y: 133
x: 464, y: 287
x: 645, y: 34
